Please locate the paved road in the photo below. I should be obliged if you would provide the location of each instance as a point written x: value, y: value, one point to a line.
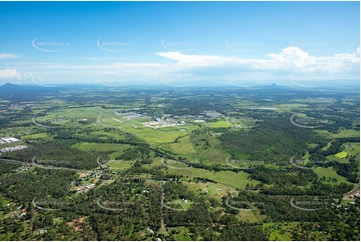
x: 356, y: 189
x: 163, y: 210
x: 16, y: 161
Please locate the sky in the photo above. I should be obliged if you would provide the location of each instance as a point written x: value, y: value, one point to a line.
x: 179, y: 43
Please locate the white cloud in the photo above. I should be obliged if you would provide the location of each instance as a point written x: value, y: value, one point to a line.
x: 7, y: 56
x: 9, y: 74
x: 289, y: 59
x: 197, y: 60
x: 291, y: 53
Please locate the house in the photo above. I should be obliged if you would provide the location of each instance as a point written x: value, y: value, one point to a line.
x: 90, y: 186
x: 85, y: 188
x: 13, y: 148
x: 9, y: 139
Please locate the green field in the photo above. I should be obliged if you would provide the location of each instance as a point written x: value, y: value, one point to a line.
x: 352, y: 148
x: 214, y: 190
x: 34, y: 136
x: 279, y: 232
x: 185, y: 148
x: 150, y: 135
x: 348, y: 149
x: 249, y: 215
x: 184, y: 205
x: 229, y: 178
x: 181, y: 233
x: 330, y: 173
x: 101, y: 147
x: 176, y: 164
x: 341, y: 155
x: 225, y: 177
x: 342, y: 133
x: 119, y: 165
x: 68, y: 117
x: 220, y: 124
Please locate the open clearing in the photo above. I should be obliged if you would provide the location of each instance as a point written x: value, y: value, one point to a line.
x: 341, y: 155
x: 101, y: 147
x: 330, y: 173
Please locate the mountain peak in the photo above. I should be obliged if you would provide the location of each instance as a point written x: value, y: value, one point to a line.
x: 10, y: 85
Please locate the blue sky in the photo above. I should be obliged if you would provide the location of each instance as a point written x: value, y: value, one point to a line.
x: 178, y: 42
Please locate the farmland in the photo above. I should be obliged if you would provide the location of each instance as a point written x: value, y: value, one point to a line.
x: 184, y: 158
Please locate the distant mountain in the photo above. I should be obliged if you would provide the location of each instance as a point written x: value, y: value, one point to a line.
x: 22, y: 93
x: 9, y: 85
x: 272, y: 86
